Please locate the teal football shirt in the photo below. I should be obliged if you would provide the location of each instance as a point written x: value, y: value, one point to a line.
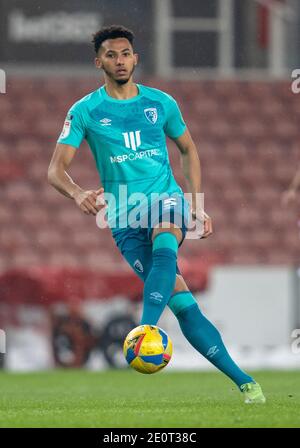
x: 128, y: 141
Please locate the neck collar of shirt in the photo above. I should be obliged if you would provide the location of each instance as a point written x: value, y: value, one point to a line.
x: 115, y: 100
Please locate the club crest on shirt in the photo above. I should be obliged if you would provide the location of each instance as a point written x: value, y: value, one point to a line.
x: 151, y: 114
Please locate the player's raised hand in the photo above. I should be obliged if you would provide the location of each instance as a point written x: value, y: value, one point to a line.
x: 89, y: 202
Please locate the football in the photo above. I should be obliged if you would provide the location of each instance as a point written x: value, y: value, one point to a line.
x: 147, y: 349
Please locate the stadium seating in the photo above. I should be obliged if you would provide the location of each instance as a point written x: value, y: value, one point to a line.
x: 248, y: 138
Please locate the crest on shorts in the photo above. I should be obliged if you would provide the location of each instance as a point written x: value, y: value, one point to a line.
x: 138, y: 266
x: 151, y: 114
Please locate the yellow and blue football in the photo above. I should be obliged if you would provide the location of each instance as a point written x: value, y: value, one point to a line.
x: 147, y: 349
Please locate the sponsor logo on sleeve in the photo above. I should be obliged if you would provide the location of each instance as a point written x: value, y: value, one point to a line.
x: 67, y: 126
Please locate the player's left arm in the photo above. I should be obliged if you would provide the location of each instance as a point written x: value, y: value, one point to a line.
x: 290, y: 194
x: 192, y: 171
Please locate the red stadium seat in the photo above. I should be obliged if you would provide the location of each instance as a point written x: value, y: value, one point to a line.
x: 247, y: 134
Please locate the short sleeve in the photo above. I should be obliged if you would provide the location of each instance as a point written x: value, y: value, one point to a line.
x: 174, y: 125
x: 73, y: 131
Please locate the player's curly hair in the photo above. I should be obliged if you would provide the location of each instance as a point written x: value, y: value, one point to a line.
x: 111, y: 32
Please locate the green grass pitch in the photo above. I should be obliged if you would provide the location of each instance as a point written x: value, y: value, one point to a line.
x: 110, y: 399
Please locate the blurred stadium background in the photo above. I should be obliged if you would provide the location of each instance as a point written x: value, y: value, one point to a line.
x: 66, y: 296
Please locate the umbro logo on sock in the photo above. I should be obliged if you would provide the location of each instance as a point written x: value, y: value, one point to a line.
x: 212, y: 351
x: 156, y: 296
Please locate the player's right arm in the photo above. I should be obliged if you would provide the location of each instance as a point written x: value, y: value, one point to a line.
x: 62, y: 181
x: 69, y: 141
